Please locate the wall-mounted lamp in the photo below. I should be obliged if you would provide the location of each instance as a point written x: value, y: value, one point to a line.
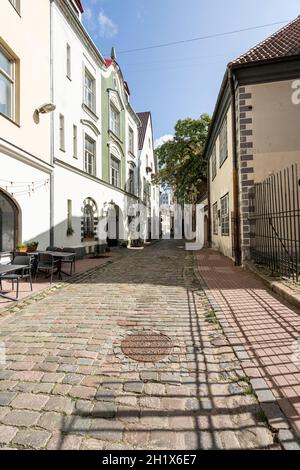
x: 46, y: 108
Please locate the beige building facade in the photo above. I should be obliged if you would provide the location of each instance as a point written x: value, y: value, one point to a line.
x: 254, y: 134
x: 25, y: 136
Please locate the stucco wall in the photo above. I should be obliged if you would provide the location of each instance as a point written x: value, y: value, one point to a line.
x: 69, y: 93
x: 219, y: 187
x: 276, y: 136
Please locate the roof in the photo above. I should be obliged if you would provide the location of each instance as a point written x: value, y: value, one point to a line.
x: 79, y: 5
x: 144, y: 118
x: 283, y: 43
x: 108, y: 62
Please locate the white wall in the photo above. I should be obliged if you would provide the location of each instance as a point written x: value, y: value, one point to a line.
x: 69, y: 93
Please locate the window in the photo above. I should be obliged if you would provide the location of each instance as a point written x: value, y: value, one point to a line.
x: 69, y: 220
x: 215, y: 218
x: 16, y: 4
x: 223, y: 143
x: 131, y: 140
x: 69, y: 61
x: 114, y: 120
x: 89, y: 155
x: 214, y: 164
x: 89, y: 91
x: 7, y: 85
x: 225, y: 215
x: 88, y: 222
x: 74, y: 141
x: 62, y: 132
x: 131, y: 182
x: 115, y: 172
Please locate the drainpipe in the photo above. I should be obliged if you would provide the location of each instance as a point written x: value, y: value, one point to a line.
x: 235, y: 174
x: 51, y: 130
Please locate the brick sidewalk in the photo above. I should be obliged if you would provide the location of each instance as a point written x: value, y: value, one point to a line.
x: 260, y: 324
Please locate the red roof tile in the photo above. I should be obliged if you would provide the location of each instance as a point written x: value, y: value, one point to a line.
x: 283, y: 43
x: 108, y: 62
x: 79, y: 5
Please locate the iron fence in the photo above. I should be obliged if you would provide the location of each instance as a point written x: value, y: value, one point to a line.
x: 275, y: 223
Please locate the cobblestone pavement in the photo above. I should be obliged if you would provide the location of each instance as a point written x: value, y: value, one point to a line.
x: 67, y: 384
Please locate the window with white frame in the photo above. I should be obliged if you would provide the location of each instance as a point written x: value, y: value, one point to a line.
x: 89, y: 155
x: 89, y: 90
x: 7, y: 84
x: 115, y: 120
x: 68, y: 62
x: 215, y: 218
x: 62, y: 132
x: 74, y: 141
x: 115, y: 171
x: 131, y: 140
x: 223, y: 143
x: 225, y: 215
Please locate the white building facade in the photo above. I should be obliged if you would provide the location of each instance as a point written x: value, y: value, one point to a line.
x: 65, y: 171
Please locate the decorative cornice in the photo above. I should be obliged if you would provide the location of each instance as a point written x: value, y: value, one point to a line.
x: 91, y: 125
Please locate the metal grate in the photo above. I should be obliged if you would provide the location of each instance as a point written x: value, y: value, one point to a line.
x: 151, y: 347
x: 275, y: 223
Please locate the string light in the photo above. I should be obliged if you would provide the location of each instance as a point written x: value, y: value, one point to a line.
x: 16, y: 188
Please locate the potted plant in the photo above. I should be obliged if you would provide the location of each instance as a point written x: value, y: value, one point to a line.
x: 27, y: 247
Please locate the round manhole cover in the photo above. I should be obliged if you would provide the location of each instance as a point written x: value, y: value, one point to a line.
x: 152, y: 347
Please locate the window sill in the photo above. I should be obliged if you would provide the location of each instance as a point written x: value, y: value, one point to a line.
x: 16, y: 10
x: 90, y: 112
x: 10, y: 120
x: 220, y: 166
x: 115, y: 136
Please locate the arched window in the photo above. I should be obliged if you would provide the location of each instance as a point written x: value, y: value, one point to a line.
x: 9, y: 223
x: 89, y: 219
x: 88, y: 222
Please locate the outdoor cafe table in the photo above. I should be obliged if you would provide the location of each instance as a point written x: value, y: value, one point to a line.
x: 9, y: 268
x: 59, y: 255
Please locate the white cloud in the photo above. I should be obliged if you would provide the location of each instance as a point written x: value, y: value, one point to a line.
x: 162, y: 140
x: 108, y: 29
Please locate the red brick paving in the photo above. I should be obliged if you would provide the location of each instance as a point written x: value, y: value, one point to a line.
x: 265, y: 325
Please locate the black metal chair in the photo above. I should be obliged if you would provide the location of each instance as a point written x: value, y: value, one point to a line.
x: 53, y: 248
x: 17, y: 276
x: 71, y: 260
x: 46, y: 264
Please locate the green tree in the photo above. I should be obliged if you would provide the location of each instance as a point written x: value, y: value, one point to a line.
x: 181, y: 162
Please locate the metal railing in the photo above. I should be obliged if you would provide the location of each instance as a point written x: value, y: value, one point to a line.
x: 275, y: 223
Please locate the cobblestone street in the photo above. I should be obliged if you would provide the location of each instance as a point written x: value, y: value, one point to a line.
x: 67, y: 383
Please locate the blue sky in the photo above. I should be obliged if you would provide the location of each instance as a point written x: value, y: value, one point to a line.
x: 179, y: 81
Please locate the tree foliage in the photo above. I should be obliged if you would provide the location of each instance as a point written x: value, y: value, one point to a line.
x: 181, y: 162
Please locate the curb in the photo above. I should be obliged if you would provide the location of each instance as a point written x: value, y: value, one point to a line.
x: 277, y: 421
x: 276, y: 286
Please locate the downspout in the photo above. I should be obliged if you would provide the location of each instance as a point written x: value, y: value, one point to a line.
x: 51, y: 130
x: 235, y: 174
x: 209, y: 237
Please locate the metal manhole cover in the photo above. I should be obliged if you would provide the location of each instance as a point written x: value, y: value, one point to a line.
x: 152, y: 347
